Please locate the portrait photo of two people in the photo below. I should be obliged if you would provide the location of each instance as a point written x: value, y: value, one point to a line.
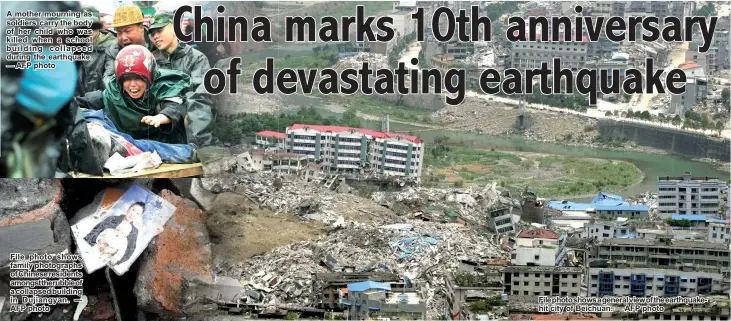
x: 116, y: 237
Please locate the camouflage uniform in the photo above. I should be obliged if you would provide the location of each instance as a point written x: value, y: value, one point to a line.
x: 189, y: 60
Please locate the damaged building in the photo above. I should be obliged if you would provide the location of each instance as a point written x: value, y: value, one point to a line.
x: 357, y: 150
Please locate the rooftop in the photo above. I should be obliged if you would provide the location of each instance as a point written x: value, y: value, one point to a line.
x: 689, y: 217
x: 673, y: 243
x: 538, y: 233
x: 367, y: 285
x: 600, y: 202
x: 688, y: 65
x: 369, y: 132
x: 530, y: 269
x: 686, y: 177
x: 269, y: 133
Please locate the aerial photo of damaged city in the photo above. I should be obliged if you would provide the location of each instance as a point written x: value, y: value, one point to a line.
x: 397, y: 206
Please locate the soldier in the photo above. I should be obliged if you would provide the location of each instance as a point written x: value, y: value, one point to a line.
x: 172, y: 54
x: 91, y: 72
x: 128, y: 23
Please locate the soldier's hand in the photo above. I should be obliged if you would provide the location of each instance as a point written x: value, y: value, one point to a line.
x: 156, y: 120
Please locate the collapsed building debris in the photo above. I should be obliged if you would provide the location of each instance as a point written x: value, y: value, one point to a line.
x: 417, y: 251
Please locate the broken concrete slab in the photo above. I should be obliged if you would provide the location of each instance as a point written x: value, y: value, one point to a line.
x: 200, y: 195
x: 31, y: 220
x: 178, y: 256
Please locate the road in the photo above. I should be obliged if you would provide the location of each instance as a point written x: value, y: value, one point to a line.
x: 677, y: 57
x: 412, y: 51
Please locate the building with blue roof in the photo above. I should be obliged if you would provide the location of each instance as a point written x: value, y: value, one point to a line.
x: 603, y: 204
x: 367, y: 285
x: 372, y: 300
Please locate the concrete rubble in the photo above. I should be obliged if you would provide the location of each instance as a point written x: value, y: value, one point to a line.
x: 407, y: 232
x: 177, y: 257
x: 446, y: 204
x: 422, y: 251
x: 31, y: 220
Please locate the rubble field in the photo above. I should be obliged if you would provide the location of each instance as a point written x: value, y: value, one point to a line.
x: 417, y: 232
x: 240, y: 229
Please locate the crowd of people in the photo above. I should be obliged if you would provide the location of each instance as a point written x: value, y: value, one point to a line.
x: 141, y: 91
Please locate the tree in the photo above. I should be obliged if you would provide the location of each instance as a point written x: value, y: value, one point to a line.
x: 608, y: 113
x: 317, y: 50
x: 630, y: 114
x: 646, y: 115
x: 145, y: 4
x: 719, y: 127
x: 725, y: 99
x: 707, y: 10
x: 676, y: 120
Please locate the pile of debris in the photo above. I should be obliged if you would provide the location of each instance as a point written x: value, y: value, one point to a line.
x: 421, y: 251
x: 374, y: 60
x: 447, y: 205
x: 293, y: 194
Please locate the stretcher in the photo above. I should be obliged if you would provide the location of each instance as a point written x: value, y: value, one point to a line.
x: 164, y: 171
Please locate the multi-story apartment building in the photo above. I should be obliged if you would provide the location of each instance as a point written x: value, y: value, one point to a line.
x: 542, y: 280
x: 696, y: 88
x: 717, y: 56
x: 688, y: 195
x: 719, y: 231
x: 535, y: 247
x: 665, y: 253
x: 572, y: 52
x: 278, y: 161
x: 501, y: 220
x: 600, y: 230
x: 270, y: 139
x: 653, y: 282
x: 345, y: 149
x: 604, y: 48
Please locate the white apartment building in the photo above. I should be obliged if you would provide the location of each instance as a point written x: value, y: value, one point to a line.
x: 719, y: 231
x: 535, y: 247
x: 527, y: 55
x: 345, y: 149
x: 647, y: 282
x: 542, y: 280
x: 696, y: 88
x: 270, y: 139
x: 600, y: 230
x: 402, y: 22
x: 501, y: 220
x: 689, y: 195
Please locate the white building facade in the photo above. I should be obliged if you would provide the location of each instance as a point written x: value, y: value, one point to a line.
x: 689, y: 195
x: 345, y: 149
